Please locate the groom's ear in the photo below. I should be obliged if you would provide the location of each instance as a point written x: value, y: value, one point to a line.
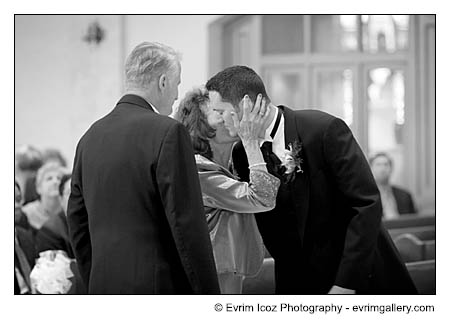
x: 240, y: 108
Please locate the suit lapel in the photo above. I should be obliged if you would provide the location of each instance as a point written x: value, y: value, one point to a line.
x: 300, y: 186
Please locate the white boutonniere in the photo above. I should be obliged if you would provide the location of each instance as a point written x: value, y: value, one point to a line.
x: 292, y: 160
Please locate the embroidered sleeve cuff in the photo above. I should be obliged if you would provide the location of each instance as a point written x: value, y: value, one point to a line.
x: 265, y: 186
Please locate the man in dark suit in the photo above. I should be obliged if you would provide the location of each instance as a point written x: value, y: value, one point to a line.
x: 325, y: 233
x: 135, y: 212
x: 395, y: 201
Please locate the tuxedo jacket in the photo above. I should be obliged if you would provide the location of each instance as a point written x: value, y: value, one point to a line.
x: 326, y: 227
x: 405, y: 203
x: 135, y: 213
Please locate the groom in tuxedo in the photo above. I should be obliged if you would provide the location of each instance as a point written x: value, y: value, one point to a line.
x: 135, y: 212
x: 325, y: 233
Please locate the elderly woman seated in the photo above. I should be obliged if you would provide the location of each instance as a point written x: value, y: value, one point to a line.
x: 47, y: 238
x: 46, y: 215
x: 48, y: 205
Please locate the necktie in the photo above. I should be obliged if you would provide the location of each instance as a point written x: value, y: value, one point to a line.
x: 23, y: 262
x: 273, y: 163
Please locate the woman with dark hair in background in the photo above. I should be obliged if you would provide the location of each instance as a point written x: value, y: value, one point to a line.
x: 27, y: 161
x: 54, y: 156
x: 229, y: 203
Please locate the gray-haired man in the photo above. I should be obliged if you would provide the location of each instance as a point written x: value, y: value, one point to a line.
x: 135, y: 211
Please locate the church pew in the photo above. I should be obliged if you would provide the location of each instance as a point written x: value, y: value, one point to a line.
x: 411, y: 220
x: 423, y: 273
x: 424, y: 227
x: 413, y: 249
x: 421, y: 232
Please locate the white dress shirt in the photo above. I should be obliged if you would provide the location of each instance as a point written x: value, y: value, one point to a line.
x: 278, y: 142
x: 153, y: 107
x: 390, y: 210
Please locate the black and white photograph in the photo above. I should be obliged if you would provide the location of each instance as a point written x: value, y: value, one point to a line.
x: 281, y: 156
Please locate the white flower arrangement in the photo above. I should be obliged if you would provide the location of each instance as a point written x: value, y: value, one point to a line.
x: 51, y: 273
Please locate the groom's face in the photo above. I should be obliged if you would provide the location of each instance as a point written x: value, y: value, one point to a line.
x: 225, y: 109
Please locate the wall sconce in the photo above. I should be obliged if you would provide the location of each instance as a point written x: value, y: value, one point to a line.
x: 95, y: 34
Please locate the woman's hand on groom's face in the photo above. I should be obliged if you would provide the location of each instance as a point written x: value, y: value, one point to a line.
x: 253, y: 118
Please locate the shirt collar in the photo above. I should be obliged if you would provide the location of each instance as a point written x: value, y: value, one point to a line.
x: 153, y: 107
x: 269, y: 129
x: 385, y: 188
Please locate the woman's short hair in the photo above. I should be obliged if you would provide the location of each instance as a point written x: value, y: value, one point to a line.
x: 28, y: 158
x: 46, y: 168
x: 147, y: 62
x: 190, y: 114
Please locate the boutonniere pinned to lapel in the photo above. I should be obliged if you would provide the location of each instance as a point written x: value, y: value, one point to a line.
x: 292, y: 160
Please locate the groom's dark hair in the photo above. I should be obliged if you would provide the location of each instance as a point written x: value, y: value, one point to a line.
x: 236, y: 81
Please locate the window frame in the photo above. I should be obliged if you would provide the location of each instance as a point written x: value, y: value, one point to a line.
x: 417, y: 93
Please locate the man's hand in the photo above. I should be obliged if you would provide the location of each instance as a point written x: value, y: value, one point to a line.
x: 336, y: 290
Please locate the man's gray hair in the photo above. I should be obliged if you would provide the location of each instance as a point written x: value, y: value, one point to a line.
x: 147, y: 62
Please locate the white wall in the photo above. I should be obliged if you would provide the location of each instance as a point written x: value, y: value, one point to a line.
x: 63, y: 84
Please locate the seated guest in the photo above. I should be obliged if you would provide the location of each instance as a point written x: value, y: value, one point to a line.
x: 48, y: 206
x: 48, y: 239
x: 54, y: 156
x: 229, y: 203
x: 24, y: 253
x: 27, y: 160
x: 54, y: 235
x: 395, y: 201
